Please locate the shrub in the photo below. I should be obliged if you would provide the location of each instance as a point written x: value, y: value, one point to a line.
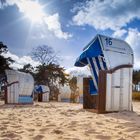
x: 136, y: 96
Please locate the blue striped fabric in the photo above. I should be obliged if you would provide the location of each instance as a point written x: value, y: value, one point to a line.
x: 95, y: 75
x: 104, y: 63
x: 96, y: 64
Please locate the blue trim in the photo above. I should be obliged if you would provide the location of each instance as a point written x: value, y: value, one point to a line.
x: 93, y: 90
x: 39, y: 89
x: 25, y: 99
x: 94, y: 50
x: 104, y: 64
x: 98, y: 63
x: 94, y: 71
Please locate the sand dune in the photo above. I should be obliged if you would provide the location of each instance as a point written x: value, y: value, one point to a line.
x: 65, y: 121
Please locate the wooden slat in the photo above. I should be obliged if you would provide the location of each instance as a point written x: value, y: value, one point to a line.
x: 40, y: 96
x: 102, y: 92
x: 89, y: 101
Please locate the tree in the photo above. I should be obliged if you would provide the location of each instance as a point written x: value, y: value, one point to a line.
x: 49, y: 72
x: 28, y: 68
x: 4, y: 62
x: 44, y: 54
x: 73, y: 88
x: 40, y: 77
x: 56, y: 74
x: 51, y: 75
x: 136, y: 76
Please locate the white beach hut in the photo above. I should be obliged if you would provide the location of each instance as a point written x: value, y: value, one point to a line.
x: 19, y: 87
x: 111, y: 64
x: 65, y: 91
x: 43, y: 92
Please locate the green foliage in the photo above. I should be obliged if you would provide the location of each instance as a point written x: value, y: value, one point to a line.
x: 73, y: 87
x: 136, y: 76
x: 51, y: 75
x: 4, y: 62
x: 49, y: 72
x: 136, y: 96
x: 28, y: 68
x: 73, y: 84
x: 40, y: 76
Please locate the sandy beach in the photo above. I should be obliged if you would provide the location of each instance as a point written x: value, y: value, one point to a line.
x: 66, y: 121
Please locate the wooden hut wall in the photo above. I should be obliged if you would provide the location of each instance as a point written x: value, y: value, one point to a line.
x: 89, y: 101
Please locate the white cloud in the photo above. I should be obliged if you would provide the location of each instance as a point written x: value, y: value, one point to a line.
x: 21, y: 61
x: 107, y: 14
x: 133, y: 39
x: 79, y: 71
x: 52, y: 21
x: 119, y: 33
x: 54, y: 25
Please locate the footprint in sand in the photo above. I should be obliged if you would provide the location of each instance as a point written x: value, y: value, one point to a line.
x: 121, y: 139
x: 103, y: 137
x: 3, y: 127
x: 80, y: 110
x: 71, y: 124
x: 71, y: 138
x: 70, y: 110
x: 47, y: 121
x: 89, y: 131
x: 120, y: 126
x: 5, y: 122
x: 38, y: 137
x: 133, y: 129
x: 43, y: 130
x: 129, y: 124
x: 64, y: 113
x: 16, y: 126
x: 31, y: 130
x: 50, y: 125
x: 74, y: 123
x: 20, y: 132
x: 10, y: 135
x: 57, y: 131
x: 99, y: 123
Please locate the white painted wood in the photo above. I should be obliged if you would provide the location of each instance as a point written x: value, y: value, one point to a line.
x: 127, y: 90
x: 130, y: 88
x: 119, y: 90
x: 108, y: 92
x: 116, y: 90
x: 116, y: 49
x: 45, y: 97
x: 24, y: 86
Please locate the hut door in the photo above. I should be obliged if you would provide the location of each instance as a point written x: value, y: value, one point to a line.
x: 119, y: 90
x: 116, y: 95
x: 113, y: 91
x: 40, y: 97
x: 126, y: 90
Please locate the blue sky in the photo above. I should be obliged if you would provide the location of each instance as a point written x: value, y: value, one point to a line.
x: 68, y: 25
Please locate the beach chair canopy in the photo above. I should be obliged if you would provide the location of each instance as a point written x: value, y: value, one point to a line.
x: 41, y: 89
x: 92, y: 50
x: 113, y: 52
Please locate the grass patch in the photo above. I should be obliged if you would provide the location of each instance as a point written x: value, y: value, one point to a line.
x: 136, y: 96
